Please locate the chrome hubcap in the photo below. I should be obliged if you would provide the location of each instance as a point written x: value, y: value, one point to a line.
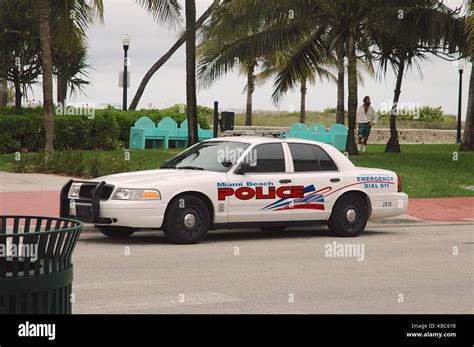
x: 351, y: 215
x: 189, y: 220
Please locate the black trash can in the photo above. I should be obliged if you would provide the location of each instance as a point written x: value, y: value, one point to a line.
x: 35, y: 264
x: 227, y: 120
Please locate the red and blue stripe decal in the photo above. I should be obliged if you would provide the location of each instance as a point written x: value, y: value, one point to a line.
x: 313, y: 199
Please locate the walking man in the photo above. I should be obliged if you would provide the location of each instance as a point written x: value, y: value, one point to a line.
x: 366, y: 117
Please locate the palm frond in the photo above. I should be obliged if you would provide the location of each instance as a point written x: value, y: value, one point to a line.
x: 167, y: 12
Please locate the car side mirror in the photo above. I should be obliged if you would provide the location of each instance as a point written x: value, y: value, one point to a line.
x: 227, y: 164
x: 243, y: 168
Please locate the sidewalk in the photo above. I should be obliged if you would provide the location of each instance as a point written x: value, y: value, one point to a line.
x: 442, y: 209
x: 38, y: 194
x: 30, y: 194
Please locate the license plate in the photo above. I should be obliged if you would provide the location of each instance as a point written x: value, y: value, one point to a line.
x: 83, y: 212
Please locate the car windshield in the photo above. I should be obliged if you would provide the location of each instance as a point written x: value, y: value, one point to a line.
x: 209, y: 155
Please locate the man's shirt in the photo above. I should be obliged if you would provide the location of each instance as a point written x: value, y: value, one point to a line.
x: 363, y: 117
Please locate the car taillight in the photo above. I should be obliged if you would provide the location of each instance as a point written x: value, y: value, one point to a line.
x: 399, y: 184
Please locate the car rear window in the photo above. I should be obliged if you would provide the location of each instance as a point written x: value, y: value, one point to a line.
x: 325, y: 161
x: 304, y: 157
x: 308, y: 158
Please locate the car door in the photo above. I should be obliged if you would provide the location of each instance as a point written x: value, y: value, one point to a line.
x: 254, y: 196
x: 314, y: 169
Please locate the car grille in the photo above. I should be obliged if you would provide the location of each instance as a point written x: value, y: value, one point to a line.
x: 86, y: 191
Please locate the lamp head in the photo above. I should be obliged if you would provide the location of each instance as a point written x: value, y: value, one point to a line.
x: 126, y: 41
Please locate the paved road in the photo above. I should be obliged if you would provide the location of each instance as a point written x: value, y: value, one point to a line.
x: 249, y: 271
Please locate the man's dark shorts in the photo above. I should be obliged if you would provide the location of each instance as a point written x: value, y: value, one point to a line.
x: 364, y: 130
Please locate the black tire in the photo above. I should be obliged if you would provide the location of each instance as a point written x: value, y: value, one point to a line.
x: 273, y: 229
x: 344, y: 223
x: 117, y: 232
x: 186, y: 207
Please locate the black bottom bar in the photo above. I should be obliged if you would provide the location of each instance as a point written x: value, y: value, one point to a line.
x: 454, y: 330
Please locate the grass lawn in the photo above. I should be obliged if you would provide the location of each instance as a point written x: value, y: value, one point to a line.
x: 138, y: 159
x: 425, y: 170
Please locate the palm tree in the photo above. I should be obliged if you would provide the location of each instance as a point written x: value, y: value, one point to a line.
x: 57, y: 15
x: 427, y: 28
x: 273, y: 66
x: 340, y: 83
x: 67, y: 20
x: 249, y: 69
x: 19, y: 46
x: 47, y: 68
x: 169, y: 11
x: 191, y: 103
x: 468, y: 138
x: 165, y: 57
x: 227, y: 43
x: 70, y: 69
x: 216, y: 34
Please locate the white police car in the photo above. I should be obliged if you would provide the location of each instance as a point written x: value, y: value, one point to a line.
x: 234, y: 182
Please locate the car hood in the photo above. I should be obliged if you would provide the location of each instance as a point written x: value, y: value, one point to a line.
x: 149, y: 178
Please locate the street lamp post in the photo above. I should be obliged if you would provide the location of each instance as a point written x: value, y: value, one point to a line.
x: 461, y: 69
x: 126, y: 44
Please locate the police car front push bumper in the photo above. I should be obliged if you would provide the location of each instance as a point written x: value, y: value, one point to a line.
x: 86, y: 209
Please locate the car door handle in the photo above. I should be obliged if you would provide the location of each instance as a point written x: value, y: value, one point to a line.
x: 335, y: 179
x: 285, y: 181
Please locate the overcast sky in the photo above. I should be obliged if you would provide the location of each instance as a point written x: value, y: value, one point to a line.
x: 437, y: 87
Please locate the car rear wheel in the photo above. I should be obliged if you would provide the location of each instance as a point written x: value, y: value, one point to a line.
x: 349, y: 216
x: 116, y: 231
x: 187, y: 220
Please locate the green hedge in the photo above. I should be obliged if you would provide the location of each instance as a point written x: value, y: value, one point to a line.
x: 17, y: 132
x: 109, y: 129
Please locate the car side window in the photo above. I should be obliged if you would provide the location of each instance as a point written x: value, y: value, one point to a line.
x: 267, y: 158
x: 304, y: 157
x: 325, y: 161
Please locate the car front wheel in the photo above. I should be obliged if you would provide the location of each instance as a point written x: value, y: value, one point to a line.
x: 187, y: 220
x: 349, y: 216
x: 116, y: 231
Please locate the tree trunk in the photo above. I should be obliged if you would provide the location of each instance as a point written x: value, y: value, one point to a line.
x: 3, y: 91
x: 250, y: 90
x: 47, y: 69
x: 160, y: 62
x: 468, y: 139
x: 351, y: 147
x: 62, y: 89
x: 18, y: 93
x: 303, y: 102
x: 393, y: 145
x: 191, y: 72
x: 340, y: 85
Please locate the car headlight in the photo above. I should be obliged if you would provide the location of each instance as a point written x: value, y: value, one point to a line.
x: 136, y: 194
x: 74, y: 190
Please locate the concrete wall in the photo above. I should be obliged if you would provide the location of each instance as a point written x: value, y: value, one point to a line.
x: 406, y: 136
